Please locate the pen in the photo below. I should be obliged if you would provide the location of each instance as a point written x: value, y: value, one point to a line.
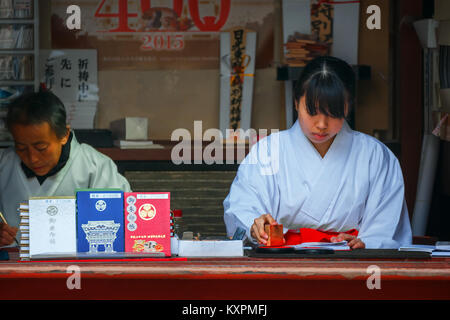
x: 6, y: 222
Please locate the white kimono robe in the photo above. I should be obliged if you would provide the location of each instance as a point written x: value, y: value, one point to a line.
x: 358, y: 184
x: 85, y: 168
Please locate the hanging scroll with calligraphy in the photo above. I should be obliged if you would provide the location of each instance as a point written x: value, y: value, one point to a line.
x: 237, y: 67
x: 322, y: 22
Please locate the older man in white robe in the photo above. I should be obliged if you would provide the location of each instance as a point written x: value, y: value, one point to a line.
x: 46, y: 160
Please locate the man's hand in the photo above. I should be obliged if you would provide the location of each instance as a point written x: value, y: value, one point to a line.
x: 257, y: 229
x: 352, y: 241
x: 7, y: 234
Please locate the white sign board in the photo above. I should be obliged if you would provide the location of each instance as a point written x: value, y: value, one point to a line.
x: 70, y: 74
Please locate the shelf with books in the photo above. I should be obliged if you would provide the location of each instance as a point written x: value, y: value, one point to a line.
x: 19, y: 54
x: 17, y: 9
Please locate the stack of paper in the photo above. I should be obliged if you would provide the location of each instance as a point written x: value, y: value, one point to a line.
x: 418, y: 248
x: 441, y: 249
x: 134, y: 144
x: 81, y: 115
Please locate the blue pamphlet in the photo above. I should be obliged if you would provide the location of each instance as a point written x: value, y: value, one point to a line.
x: 100, y: 221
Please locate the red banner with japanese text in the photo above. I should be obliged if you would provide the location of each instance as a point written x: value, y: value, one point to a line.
x: 162, y: 34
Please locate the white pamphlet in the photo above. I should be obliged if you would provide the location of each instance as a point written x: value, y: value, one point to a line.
x: 52, y: 225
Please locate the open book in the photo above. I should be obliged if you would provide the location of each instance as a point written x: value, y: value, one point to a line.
x: 342, y: 245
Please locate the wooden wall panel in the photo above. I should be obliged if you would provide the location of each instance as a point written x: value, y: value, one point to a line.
x: 199, y: 194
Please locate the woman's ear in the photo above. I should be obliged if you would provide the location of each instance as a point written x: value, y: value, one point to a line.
x: 346, y: 110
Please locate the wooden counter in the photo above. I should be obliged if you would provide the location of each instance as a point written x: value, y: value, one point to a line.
x: 228, y: 278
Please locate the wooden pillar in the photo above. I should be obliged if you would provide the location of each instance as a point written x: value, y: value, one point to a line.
x: 409, y: 93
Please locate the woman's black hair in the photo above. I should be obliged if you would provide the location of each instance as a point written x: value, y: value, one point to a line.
x: 328, y: 84
x: 38, y: 107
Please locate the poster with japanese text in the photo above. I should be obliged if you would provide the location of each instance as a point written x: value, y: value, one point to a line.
x: 162, y: 34
x: 70, y: 74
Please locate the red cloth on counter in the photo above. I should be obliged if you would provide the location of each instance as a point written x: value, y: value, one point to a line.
x: 294, y: 237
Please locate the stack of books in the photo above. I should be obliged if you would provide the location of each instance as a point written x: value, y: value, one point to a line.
x: 16, y: 67
x: 16, y: 37
x: 24, y: 226
x: 23, y: 8
x: 16, y: 9
x: 300, y: 49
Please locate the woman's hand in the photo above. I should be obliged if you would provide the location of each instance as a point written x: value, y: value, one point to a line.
x: 352, y: 241
x: 257, y: 229
x: 7, y: 234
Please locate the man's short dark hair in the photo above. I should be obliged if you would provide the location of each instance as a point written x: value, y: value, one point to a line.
x: 38, y: 107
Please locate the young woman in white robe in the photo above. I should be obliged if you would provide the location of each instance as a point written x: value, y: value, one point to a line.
x: 47, y: 160
x: 320, y: 174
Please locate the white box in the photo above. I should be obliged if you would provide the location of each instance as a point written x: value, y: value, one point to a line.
x: 210, y: 248
x: 130, y: 128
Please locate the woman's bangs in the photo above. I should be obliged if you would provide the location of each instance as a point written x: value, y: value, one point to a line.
x: 325, y: 95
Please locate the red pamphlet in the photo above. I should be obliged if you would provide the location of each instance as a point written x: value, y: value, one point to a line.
x: 147, y: 222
